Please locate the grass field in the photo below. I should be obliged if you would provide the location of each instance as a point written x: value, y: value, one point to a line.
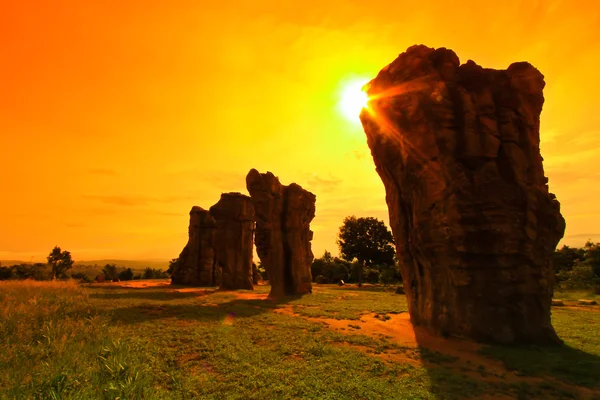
x: 59, y: 340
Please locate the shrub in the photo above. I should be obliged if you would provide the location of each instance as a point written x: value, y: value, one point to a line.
x: 110, y: 272
x: 126, y: 275
x: 320, y: 279
x: 81, y: 276
x: 151, y: 273
x: 580, y: 277
x: 5, y: 273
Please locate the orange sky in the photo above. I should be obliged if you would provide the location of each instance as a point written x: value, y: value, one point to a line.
x: 117, y: 116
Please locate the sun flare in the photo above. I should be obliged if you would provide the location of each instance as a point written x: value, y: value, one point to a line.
x: 353, y: 100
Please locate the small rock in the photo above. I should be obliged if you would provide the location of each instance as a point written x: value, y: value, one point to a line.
x: 587, y: 302
x: 557, y: 302
x: 341, y: 282
x: 399, y: 290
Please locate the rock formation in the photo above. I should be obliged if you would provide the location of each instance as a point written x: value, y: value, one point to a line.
x: 234, y: 216
x: 283, y: 235
x: 457, y: 148
x: 196, y: 264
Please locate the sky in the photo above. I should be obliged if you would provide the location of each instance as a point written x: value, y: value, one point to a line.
x: 116, y: 117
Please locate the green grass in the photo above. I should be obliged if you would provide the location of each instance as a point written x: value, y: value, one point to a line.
x: 348, y: 303
x: 578, y: 362
x: 574, y: 295
x: 59, y: 340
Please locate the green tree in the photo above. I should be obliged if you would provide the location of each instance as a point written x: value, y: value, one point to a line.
x: 172, y: 265
x: 262, y: 272
x: 592, y: 256
x: 564, y: 259
x: 328, y: 269
x: 367, y: 240
x: 59, y: 261
x: 126, y: 274
x: 110, y: 272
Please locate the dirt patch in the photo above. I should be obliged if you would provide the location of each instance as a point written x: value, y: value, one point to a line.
x: 251, y: 296
x: 151, y: 310
x: 582, y: 308
x: 461, y: 356
x: 187, y: 357
x: 399, y: 357
x: 194, y: 290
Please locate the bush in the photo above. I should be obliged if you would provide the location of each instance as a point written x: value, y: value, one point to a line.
x: 22, y: 271
x: 5, y: 273
x: 581, y: 276
x: 151, y: 273
x: 173, y: 265
x: 126, y: 275
x: 320, y: 279
x: 110, y: 272
x: 389, y: 274
x: 81, y: 276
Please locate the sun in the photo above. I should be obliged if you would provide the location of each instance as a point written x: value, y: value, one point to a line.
x: 353, y: 100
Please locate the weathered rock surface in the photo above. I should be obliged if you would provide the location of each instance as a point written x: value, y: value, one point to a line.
x: 196, y: 264
x: 457, y: 148
x: 283, y: 235
x: 234, y: 216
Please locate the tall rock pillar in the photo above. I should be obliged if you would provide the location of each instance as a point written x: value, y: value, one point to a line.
x: 234, y: 216
x: 283, y: 235
x: 457, y: 148
x: 196, y: 264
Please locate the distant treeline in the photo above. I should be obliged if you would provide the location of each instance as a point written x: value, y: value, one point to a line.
x: 329, y: 269
x: 578, y: 268
x: 85, y: 273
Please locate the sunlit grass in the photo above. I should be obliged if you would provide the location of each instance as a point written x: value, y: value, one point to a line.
x: 60, y: 340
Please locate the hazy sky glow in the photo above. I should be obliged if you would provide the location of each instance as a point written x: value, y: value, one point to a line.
x: 116, y: 117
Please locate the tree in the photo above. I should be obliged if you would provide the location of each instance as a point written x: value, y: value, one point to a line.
x: 126, y: 274
x: 564, y: 259
x: 328, y: 269
x: 173, y: 264
x: 60, y: 261
x: 255, y: 275
x: 262, y: 272
x: 592, y: 256
x: 368, y: 240
x: 110, y: 272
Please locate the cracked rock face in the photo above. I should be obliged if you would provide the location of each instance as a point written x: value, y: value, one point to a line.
x: 283, y: 235
x: 234, y: 216
x: 457, y: 148
x: 196, y: 264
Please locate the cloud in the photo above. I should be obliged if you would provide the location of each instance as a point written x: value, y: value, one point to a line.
x: 323, y: 184
x: 133, y: 201
x: 583, y: 236
x: 74, y: 225
x: 167, y: 213
x: 103, y: 171
x: 128, y: 201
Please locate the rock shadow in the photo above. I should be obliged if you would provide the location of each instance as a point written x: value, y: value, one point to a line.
x: 522, y: 372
